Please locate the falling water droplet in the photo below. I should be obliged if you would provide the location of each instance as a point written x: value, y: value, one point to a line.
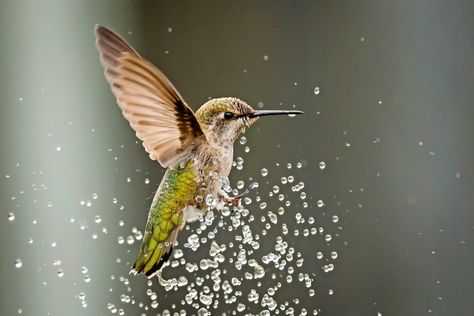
x: 18, y: 263
x: 60, y: 273
x: 209, y: 200
x: 316, y: 90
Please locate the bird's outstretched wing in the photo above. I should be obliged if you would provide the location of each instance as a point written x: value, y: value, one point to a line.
x: 149, y: 101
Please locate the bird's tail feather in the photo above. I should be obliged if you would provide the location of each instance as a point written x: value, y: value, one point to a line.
x: 151, y: 260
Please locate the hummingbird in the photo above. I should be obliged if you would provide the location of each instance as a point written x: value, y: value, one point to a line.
x: 196, y: 148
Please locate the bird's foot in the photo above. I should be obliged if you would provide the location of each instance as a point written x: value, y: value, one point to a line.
x: 237, y: 200
x: 234, y: 200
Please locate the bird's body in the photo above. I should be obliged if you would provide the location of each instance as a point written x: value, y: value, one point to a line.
x: 181, y: 198
x: 197, y: 148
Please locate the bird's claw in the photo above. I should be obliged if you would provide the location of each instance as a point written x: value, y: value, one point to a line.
x: 234, y: 200
x: 237, y: 200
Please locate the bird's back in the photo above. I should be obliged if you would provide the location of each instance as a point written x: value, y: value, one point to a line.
x: 178, y: 190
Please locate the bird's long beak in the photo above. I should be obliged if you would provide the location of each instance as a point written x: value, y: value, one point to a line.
x: 273, y: 112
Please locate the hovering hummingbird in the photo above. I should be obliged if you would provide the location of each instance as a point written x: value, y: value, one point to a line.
x: 196, y: 148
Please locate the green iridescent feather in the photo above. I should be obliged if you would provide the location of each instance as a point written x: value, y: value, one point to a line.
x: 177, y: 190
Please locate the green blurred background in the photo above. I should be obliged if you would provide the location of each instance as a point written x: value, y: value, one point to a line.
x: 393, y: 122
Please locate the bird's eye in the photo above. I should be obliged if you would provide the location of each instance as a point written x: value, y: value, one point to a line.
x: 228, y: 115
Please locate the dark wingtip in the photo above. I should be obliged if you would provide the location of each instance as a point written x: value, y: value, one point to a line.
x: 98, y: 29
x: 102, y: 31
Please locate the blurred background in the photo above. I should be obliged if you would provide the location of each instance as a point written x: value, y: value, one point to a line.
x: 365, y: 204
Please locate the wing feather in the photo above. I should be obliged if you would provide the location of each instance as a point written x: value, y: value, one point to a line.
x: 149, y: 101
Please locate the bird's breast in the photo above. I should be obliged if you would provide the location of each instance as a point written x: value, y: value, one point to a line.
x: 213, y: 164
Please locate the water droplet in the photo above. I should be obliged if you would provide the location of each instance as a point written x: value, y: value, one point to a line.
x: 225, y: 211
x: 335, y: 219
x: 320, y: 203
x: 243, y: 140
x: 316, y: 90
x: 210, y: 200
x: 322, y: 165
x: 18, y: 263
x: 298, y: 217
x: 240, y: 184
x: 58, y: 148
x: 147, y: 181
x: 193, y: 241
x: 264, y: 172
x: 60, y: 273
x: 130, y: 239
x: 97, y: 219
x: 11, y: 216
x: 265, y: 57
x: 170, y: 29
x: 253, y: 186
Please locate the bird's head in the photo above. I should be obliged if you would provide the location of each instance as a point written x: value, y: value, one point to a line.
x: 224, y: 119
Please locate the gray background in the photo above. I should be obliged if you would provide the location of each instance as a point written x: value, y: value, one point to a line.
x: 402, y: 189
